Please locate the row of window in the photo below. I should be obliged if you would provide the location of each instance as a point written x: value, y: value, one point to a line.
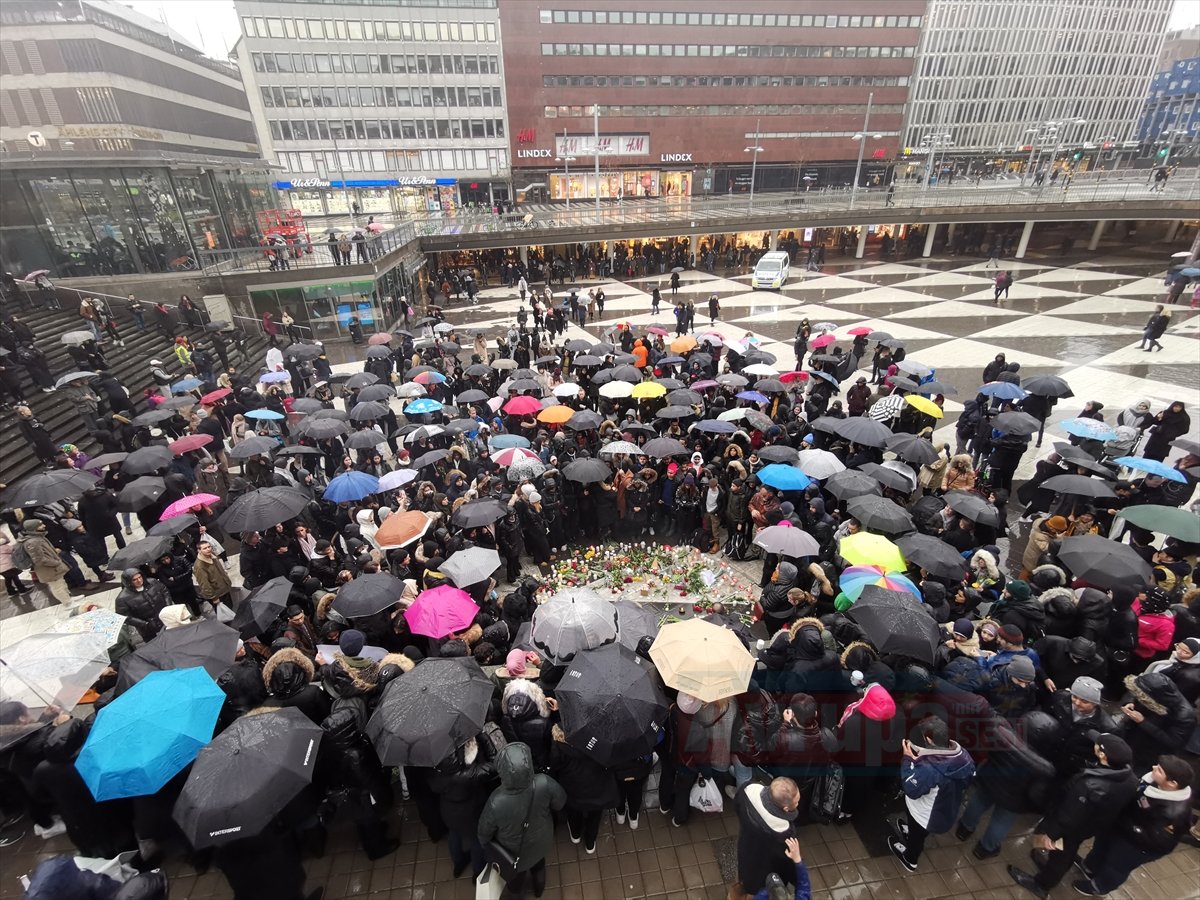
x: 343, y: 30
x: 812, y: 51
x: 307, y: 97
x: 347, y: 161
x: 724, y: 81
x: 98, y: 105
x: 754, y: 20
x: 736, y: 109
x: 376, y: 64
x: 384, y: 129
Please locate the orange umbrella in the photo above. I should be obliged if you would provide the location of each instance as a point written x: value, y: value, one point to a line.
x: 683, y: 344
x: 555, y: 415
x: 402, y: 528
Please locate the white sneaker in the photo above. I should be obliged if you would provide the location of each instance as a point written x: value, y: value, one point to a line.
x: 730, y: 791
x: 621, y: 816
x: 633, y: 823
x: 59, y: 827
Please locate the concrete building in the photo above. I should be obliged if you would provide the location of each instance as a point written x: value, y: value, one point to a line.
x: 996, y: 81
x: 1170, y: 123
x: 682, y: 90
x: 126, y: 150
x: 384, y: 108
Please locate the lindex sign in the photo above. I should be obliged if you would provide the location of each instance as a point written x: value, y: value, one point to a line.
x: 675, y: 157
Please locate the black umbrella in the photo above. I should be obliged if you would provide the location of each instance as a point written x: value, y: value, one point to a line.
x: 896, y: 622
x: 428, y: 459
x: 661, y: 448
x: 634, y: 622
x: 778, y: 453
x: 1047, y: 386
x: 584, y: 420
x: 880, y: 515
x: 140, y: 493
x: 938, y: 387
x: 361, y: 380
x: 147, y: 460
x: 106, y: 459
x: 1103, y: 563
x: 578, y: 346
x: 299, y: 450
x: 863, y: 431
x: 216, y: 325
x: 364, y: 439
x: 973, y: 507
x: 587, y: 471
x: 254, y: 446
x: 371, y: 409
x: 636, y: 428
x: 307, y: 405
x: 889, y: 477
x: 263, y: 508
x: 612, y: 704
x: 478, y: 513
x: 684, y: 397
x: 378, y: 352
x: 426, y: 714
x: 586, y: 360
x: 477, y: 370
x: 207, y: 643
x: 48, y: 487
x: 912, y: 449
x: 173, y: 526
x: 246, y: 776
x: 140, y: 552
x: 1187, y: 445
x: 675, y: 412
x: 152, y: 417
x: 471, y: 396
x: 321, y: 429
x: 256, y: 612
x: 303, y: 351
x: 933, y: 555
x: 367, y: 595
x: 851, y: 483
x: 377, y: 392
x: 827, y: 424
x: 1015, y: 423
x: 1079, y: 486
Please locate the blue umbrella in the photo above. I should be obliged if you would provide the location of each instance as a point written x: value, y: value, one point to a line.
x: 1154, y: 467
x: 187, y: 384
x: 825, y: 376
x: 1190, y: 272
x: 264, y: 414
x: 1004, y: 390
x: 149, y: 734
x: 783, y: 478
x: 754, y: 395
x: 504, y: 441
x: 715, y: 426
x: 1088, y: 428
x: 274, y: 377
x: 351, y: 486
x: 422, y: 405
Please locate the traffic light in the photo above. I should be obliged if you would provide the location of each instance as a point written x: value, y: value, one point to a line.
x: 1162, y: 152
x: 1078, y: 155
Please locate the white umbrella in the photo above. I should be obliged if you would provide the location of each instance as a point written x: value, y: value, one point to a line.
x: 571, y: 621
x: 391, y: 481
x: 897, y: 466
x: 616, y: 390
x: 410, y: 390
x: 525, y: 468
x: 733, y: 415
x: 819, y: 464
x: 49, y: 670
x: 626, y: 447
x: 567, y: 389
x: 760, y: 369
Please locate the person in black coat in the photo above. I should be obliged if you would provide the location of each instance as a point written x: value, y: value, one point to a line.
x: 766, y: 817
x: 352, y: 768
x: 288, y: 677
x: 1062, y: 660
x: 957, y: 689
x: 1160, y: 719
x: 35, y: 434
x: 97, y: 510
x: 1183, y: 668
x: 243, y: 687
x: 99, y: 829
x: 525, y: 718
x: 266, y: 866
x: 141, y: 600
x: 1078, y: 713
x: 463, y: 782
x: 590, y: 788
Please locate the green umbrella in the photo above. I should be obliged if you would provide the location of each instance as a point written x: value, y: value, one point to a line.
x: 1169, y: 520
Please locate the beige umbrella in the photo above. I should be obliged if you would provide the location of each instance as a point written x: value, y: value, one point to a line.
x: 702, y: 659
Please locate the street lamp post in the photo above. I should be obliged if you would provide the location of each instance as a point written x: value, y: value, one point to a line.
x: 932, y: 142
x: 756, y: 149
x: 566, y: 161
x: 596, y: 150
x: 862, y: 143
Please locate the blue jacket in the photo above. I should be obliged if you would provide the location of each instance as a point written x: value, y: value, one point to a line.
x: 1004, y: 657
x: 803, y: 886
x: 934, y: 784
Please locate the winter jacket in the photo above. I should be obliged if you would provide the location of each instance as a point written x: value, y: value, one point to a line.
x: 142, y: 607
x: 287, y: 676
x: 1154, y: 632
x: 1156, y: 819
x: 1057, y: 664
x: 588, y: 784
x: 1090, y: 802
x: 1006, y: 697
x: 349, y: 676
x: 348, y: 760
x: 1074, y: 749
x: 705, y: 740
x: 1028, y: 615
x: 1185, y: 675
x: 934, y: 783
x: 525, y: 718
x: 212, y: 581
x: 1169, y: 718
x: 968, y: 714
x: 518, y: 813
x: 47, y: 564
x: 761, y: 837
x: 463, y: 781
x: 1015, y: 774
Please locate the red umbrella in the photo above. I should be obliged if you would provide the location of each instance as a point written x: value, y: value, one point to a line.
x: 214, y: 396
x: 187, y: 504
x: 190, y: 442
x: 823, y: 341
x: 789, y: 377
x: 382, y: 338
x: 861, y: 329
x: 523, y: 406
x: 441, y: 611
x: 654, y: 329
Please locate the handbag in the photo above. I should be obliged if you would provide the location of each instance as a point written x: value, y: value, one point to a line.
x: 825, y: 804
x: 490, y: 884
x: 706, y: 796
x: 500, y: 856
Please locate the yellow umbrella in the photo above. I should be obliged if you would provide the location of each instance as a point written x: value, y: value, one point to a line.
x: 648, y: 390
x: 683, y: 344
x: 925, y: 405
x: 555, y: 415
x: 702, y: 659
x: 866, y: 549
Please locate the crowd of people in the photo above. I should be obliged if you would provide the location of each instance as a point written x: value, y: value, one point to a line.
x: 1063, y: 684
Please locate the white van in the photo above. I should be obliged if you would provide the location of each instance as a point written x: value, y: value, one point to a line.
x: 771, y: 271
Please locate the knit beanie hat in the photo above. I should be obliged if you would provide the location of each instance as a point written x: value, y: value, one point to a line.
x: 351, y: 642
x: 1021, y: 667
x: 963, y: 628
x: 1019, y: 589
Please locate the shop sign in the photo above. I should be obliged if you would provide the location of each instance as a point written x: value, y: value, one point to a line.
x: 675, y: 157
x: 527, y: 136
x: 607, y: 145
x: 533, y: 154
x: 405, y: 181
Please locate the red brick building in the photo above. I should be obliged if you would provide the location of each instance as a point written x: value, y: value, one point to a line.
x: 681, y: 88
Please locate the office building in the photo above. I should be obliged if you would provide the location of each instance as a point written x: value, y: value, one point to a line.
x: 126, y: 150
x: 997, y: 80
x: 380, y: 107
x: 1170, y: 123
x: 682, y: 90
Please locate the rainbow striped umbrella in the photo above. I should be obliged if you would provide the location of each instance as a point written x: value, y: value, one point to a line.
x: 855, y: 578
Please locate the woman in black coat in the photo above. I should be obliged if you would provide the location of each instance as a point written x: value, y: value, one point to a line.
x: 463, y: 782
x: 525, y: 718
x: 1171, y: 423
x: 590, y: 788
x: 351, y: 767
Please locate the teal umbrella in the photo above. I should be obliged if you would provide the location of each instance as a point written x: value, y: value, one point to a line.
x: 1168, y: 520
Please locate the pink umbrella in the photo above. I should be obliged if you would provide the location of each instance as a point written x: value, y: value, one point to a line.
x: 789, y: 377
x: 441, y: 611
x: 823, y: 341
x: 187, y: 504
x: 522, y: 406
x: 510, y: 455
x: 375, y: 228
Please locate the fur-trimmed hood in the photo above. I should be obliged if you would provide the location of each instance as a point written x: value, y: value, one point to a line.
x: 987, y: 559
x: 853, y: 645
x: 1056, y: 596
x: 558, y: 734
x: 733, y: 452
x: 1048, y: 576
x: 397, y: 659
x: 522, y: 697
x: 472, y: 635
x: 647, y: 475
x: 1155, y: 692
x: 288, y: 656
x: 736, y: 468
x: 807, y: 620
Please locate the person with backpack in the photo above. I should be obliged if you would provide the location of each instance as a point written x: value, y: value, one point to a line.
x: 34, y: 551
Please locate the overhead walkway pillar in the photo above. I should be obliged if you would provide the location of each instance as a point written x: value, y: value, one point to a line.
x: 1097, y: 233
x: 862, y: 242
x: 930, y: 234
x: 1023, y: 244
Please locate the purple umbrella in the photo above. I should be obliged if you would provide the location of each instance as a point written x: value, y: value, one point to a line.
x: 441, y: 611
x: 753, y: 395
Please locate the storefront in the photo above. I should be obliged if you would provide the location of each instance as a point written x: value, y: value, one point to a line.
x: 615, y: 185
x: 375, y: 196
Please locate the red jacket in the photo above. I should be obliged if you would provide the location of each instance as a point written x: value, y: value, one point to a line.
x: 1154, y: 632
